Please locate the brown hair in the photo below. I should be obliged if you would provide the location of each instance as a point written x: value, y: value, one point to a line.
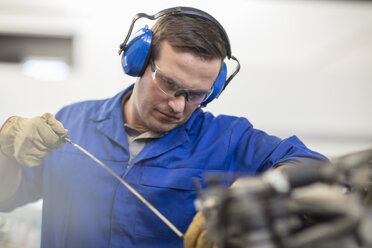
x: 190, y: 33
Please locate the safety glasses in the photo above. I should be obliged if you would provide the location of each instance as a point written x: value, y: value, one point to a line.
x: 175, y: 89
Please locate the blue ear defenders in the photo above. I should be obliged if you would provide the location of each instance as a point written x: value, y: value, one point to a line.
x: 137, y: 51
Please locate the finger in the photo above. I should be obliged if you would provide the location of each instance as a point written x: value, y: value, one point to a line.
x: 38, y: 133
x: 194, y: 231
x: 56, y: 126
x: 203, y: 240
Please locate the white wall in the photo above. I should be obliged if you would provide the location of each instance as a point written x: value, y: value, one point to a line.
x: 306, y: 65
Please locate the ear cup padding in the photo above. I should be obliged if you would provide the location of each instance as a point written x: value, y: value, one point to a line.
x: 217, y: 86
x: 136, y: 53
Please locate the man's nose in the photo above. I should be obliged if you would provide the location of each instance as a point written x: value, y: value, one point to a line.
x: 178, y: 103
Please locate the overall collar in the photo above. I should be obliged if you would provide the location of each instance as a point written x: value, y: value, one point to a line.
x: 110, y: 122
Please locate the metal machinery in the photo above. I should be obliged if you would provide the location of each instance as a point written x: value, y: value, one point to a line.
x: 323, y: 205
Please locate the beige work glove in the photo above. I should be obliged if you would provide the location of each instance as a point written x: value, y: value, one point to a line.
x: 31, y: 140
x: 196, y: 234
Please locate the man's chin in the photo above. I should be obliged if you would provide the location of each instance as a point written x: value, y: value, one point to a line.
x: 164, y: 128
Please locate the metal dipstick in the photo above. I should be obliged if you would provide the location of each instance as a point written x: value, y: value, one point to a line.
x: 151, y: 207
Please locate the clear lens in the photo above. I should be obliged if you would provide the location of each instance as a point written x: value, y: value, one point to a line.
x: 171, y: 88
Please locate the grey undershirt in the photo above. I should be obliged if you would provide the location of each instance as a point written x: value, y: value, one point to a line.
x: 137, y: 140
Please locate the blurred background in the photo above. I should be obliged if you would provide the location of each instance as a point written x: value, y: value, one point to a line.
x: 306, y: 69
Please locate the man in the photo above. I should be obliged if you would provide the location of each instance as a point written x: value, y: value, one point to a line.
x: 153, y: 134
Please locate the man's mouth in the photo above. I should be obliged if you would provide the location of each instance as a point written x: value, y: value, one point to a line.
x: 168, y: 117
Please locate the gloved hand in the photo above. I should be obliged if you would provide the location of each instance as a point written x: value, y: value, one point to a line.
x: 31, y: 140
x: 196, y: 234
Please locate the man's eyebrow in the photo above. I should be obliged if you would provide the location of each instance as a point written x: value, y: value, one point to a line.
x: 181, y: 85
x: 172, y: 79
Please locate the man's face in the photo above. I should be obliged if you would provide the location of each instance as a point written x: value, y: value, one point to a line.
x: 152, y: 109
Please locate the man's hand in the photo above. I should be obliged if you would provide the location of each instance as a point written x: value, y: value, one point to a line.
x: 31, y: 140
x: 196, y: 235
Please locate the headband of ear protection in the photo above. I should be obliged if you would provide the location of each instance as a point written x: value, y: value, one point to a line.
x: 137, y: 51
